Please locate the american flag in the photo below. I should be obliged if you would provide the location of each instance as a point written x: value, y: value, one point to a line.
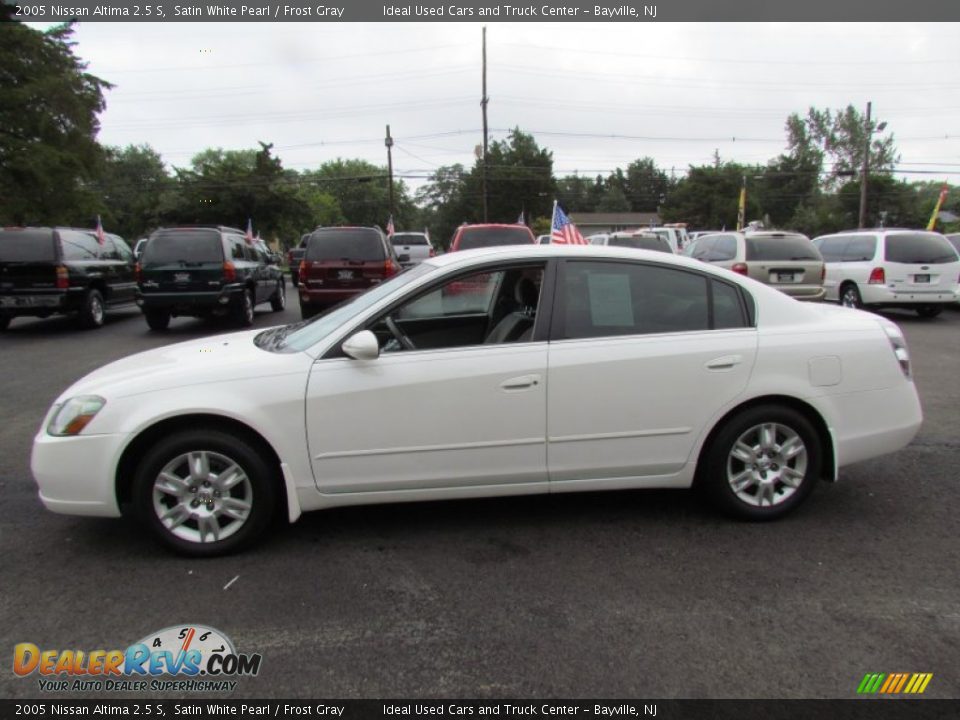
x: 562, y: 231
x: 390, y: 228
x: 249, y: 235
x: 101, y: 238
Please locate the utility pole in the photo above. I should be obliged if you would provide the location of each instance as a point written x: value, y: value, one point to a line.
x: 868, y: 131
x: 483, y: 104
x: 389, y: 143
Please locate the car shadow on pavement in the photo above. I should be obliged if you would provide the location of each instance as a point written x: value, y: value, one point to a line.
x: 28, y: 326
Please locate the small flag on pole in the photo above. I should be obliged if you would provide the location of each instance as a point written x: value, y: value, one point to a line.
x: 249, y: 234
x: 562, y: 231
x: 520, y: 219
x: 936, y: 210
x: 101, y: 238
x: 390, y: 227
x: 742, y: 206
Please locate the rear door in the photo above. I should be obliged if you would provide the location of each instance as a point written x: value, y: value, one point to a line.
x: 28, y: 260
x: 920, y: 262
x: 117, y: 260
x: 345, y: 259
x: 790, y: 263
x: 183, y: 261
x: 641, y: 357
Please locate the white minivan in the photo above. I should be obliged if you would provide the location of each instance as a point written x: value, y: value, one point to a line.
x: 890, y: 268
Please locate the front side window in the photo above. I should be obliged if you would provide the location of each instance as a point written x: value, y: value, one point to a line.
x: 483, y: 308
x: 832, y: 248
x: 600, y: 299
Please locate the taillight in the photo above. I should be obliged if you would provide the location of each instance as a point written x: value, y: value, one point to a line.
x: 432, y: 252
x: 389, y: 268
x: 63, y: 278
x: 877, y: 277
x: 229, y: 272
x: 302, y: 269
x: 138, y: 273
x: 740, y: 268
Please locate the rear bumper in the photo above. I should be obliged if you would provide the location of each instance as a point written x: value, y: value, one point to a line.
x: 190, y: 303
x: 324, y: 298
x: 883, y: 296
x: 40, y: 304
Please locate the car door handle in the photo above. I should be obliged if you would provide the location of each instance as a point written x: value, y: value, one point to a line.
x: 724, y: 363
x: 519, y: 383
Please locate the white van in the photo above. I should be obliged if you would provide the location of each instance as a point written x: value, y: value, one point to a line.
x: 892, y: 268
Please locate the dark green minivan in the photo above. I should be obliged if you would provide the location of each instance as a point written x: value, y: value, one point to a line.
x: 206, y: 271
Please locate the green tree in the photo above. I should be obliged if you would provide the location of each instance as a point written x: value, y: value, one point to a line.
x: 362, y: 191
x: 48, y: 127
x: 645, y: 185
x: 519, y: 178
x: 613, y: 200
x: 709, y: 195
x: 132, y: 182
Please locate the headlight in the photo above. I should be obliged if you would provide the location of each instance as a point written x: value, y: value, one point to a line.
x: 75, y: 414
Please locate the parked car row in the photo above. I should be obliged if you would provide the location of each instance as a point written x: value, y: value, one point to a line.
x: 198, y: 271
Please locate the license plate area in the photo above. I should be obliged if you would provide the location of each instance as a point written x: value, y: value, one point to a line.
x: 921, y: 279
x: 20, y: 301
x: 783, y: 277
x: 344, y: 274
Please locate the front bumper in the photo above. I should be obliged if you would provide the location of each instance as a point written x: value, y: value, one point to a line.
x: 77, y: 475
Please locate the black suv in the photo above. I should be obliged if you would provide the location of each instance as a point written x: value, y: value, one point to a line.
x: 206, y: 271
x: 45, y: 271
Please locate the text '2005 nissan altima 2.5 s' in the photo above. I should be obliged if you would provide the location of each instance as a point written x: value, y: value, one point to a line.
x: 500, y: 371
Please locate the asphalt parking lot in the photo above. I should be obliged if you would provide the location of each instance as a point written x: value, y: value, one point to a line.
x: 627, y: 594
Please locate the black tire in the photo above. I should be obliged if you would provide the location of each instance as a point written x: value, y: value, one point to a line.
x: 279, y: 299
x: 191, y: 535
x: 157, y: 319
x: 929, y: 311
x: 245, y: 309
x: 307, y: 311
x: 295, y: 278
x: 92, y: 311
x: 850, y: 296
x: 4, y: 322
x: 720, y: 466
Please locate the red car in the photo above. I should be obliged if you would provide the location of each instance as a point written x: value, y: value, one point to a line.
x: 340, y: 262
x: 468, y: 237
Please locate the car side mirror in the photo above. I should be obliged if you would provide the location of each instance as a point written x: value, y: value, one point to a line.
x: 404, y: 258
x: 362, y: 346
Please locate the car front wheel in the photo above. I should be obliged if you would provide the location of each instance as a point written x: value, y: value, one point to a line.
x: 204, y: 493
x: 762, y: 463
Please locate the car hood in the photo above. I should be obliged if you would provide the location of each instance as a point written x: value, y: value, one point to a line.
x: 218, y: 358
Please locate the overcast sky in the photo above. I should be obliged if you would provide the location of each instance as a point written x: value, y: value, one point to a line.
x: 319, y: 91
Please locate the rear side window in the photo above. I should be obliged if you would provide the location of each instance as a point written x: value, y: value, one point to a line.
x: 493, y: 237
x: 78, y: 246
x: 728, y: 311
x: 409, y: 239
x: 831, y: 248
x: 725, y: 248
x: 183, y: 246
x: 919, y: 248
x: 362, y: 244
x: 860, y: 249
x: 787, y: 247
x: 27, y: 246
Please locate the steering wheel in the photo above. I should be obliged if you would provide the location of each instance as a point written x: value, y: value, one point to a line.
x: 400, y: 336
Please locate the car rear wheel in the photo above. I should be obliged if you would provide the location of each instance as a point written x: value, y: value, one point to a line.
x: 157, y: 319
x: 204, y: 492
x: 245, y: 309
x: 763, y: 463
x: 929, y: 311
x: 279, y: 300
x: 307, y: 311
x: 91, y: 312
x: 4, y: 322
x: 850, y: 296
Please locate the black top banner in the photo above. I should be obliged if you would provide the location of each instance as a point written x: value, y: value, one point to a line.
x: 603, y: 11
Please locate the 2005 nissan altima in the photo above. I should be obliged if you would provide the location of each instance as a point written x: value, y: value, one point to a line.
x: 505, y: 371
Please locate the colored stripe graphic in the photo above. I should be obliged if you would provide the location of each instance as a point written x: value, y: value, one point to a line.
x: 894, y: 683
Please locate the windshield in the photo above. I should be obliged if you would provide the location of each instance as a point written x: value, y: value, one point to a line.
x: 300, y: 336
x: 183, y: 246
x: 26, y: 246
x: 409, y: 239
x: 914, y: 248
x: 787, y: 247
x: 492, y: 237
x: 360, y: 244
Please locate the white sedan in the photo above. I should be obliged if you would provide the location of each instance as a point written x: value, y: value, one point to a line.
x: 504, y: 371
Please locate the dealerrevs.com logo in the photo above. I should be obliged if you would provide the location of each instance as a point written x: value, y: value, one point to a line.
x: 183, y: 658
